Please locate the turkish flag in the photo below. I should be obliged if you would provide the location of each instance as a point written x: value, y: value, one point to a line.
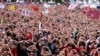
x: 35, y: 8
x: 94, y: 14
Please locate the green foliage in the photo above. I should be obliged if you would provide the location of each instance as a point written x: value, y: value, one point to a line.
x: 13, y: 0
x: 58, y: 1
x: 46, y: 0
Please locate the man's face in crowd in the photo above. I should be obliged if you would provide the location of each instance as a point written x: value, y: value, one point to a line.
x: 93, y: 44
x: 46, y: 52
x: 23, y: 47
x: 31, y: 53
x: 69, y: 47
x: 82, y: 47
x: 6, y: 53
x: 42, y: 42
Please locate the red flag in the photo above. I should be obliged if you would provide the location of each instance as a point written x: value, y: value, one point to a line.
x: 93, y: 14
x: 35, y: 8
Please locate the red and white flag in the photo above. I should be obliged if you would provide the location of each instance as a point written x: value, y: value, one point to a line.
x: 94, y: 14
x: 73, y: 6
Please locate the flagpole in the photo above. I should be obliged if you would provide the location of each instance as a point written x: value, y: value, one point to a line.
x: 40, y: 24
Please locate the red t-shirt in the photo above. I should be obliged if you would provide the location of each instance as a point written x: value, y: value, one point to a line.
x: 66, y: 52
x: 91, y: 49
x: 14, y: 51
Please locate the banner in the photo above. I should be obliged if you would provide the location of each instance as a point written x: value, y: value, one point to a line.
x: 2, y: 6
x: 72, y: 6
x: 94, y: 14
x: 35, y: 8
x: 12, y: 7
x: 26, y: 12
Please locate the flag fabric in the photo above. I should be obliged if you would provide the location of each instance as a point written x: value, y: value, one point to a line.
x: 72, y: 6
x: 26, y: 12
x: 12, y: 7
x: 35, y: 8
x: 2, y: 6
x: 94, y: 14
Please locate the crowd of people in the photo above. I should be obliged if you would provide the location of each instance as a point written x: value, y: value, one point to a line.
x: 61, y: 32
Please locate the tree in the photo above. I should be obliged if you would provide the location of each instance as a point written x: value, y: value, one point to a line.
x: 58, y: 1
x: 13, y: 0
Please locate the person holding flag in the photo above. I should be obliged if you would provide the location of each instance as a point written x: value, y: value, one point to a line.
x: 1, y: 21
x: 12, y: 7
